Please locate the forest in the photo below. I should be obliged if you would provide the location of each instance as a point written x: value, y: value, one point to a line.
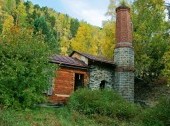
x: 30, y: 34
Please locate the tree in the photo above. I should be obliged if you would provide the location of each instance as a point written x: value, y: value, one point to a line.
x: 1, y: 6
x: 8, y: 24
x: 150, y: 39
x: 20, y: 15
x: 62, y: 26
x: 25, y: 68
x: 29, y: 10
x: 41, y: 26
x: 83, y: 40
x: 9, y: 6
x: 109, y: 39
x: 111, y: 9
x: 166, y: 70
x: 74, y: 25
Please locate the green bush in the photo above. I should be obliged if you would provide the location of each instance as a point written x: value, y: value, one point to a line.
x: 158, y: 115
x: 103, y: 102
x: 24, y: 69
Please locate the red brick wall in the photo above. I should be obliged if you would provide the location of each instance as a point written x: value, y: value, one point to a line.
x: 123, y: 25
x: 64, y: 84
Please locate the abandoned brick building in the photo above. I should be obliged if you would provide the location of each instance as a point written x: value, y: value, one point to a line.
x: 85, y: 70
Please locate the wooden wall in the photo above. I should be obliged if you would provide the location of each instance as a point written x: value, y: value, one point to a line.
x: 64, y: 84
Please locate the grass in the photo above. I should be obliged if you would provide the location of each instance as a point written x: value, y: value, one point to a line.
x: 44, y: 117
x: 68, y: 118
x: 55, y: 117
x: 36, y: 117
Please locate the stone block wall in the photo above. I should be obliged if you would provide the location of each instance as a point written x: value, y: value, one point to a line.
x: 124, y: 84
x: 99, y: 73
x: 124, y: 57
x: 124, y: 73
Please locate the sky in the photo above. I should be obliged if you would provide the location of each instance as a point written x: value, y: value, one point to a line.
x: 91, y: 11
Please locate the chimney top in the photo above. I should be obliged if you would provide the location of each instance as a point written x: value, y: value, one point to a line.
x: 123, y: 27
x: 122, y: 7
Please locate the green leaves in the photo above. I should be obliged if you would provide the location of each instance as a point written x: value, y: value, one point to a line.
x: 166, y: 70
x: 24, y: 69
x: 150, y: 40
x: 104, y: 103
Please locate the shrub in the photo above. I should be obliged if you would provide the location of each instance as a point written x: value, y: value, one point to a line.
x: 158, y: 115
x: 105, y: 102
x: 24, y: 69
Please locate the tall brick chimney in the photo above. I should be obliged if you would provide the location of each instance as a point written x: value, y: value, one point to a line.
x: 124, y: 54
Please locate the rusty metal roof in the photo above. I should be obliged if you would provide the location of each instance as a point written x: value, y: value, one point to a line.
x: 94, y: 58
x: 69, y: 61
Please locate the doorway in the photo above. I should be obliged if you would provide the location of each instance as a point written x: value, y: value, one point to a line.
x: 79, y: 81
x: 102, y: 84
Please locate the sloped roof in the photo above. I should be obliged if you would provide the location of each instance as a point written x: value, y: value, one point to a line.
x: 94, y: 58
x: 65, y: 60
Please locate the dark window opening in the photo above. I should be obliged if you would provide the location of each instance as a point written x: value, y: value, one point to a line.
x: 79, y: 81
x: 102, y: 84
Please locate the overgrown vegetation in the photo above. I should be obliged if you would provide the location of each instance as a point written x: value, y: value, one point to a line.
x: 159, y: 115
x: 150, y: 39
x: 105, y: 103
x: 24, y: 69
x: 39, y: 116
x: 93, y: 108
x: 108, y: 108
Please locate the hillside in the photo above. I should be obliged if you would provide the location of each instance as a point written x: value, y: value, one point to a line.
x: 61, y: 32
